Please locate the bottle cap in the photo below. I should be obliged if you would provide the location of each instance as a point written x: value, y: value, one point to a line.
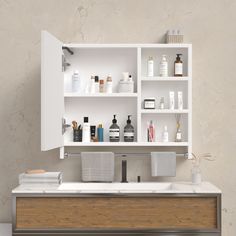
x: 92, y: 77
x: 129, y: 120
x: 114, y: 119
x: 96, y: 78
x: 86, y: 119
x: 76, y: 72
x: 165, y: 128
x: 100, y: 126
x: 109, y: 78
x: 101, y: 81
x: 178, y: 55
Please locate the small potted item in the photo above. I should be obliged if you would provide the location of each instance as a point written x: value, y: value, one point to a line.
x: 149, y: 103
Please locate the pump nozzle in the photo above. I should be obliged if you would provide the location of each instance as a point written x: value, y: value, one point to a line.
x: 114, y: 119
x: 178, y: 55
x: 129, y: 120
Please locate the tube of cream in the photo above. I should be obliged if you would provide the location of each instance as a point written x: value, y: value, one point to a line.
x: 171, y: 100
x: 180, y: 100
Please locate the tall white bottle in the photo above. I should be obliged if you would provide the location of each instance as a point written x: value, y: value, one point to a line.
x: 86, y: 131
x: 76, y: 82
x: 163, y: 67
x: 150, y: 67
x: 165, y: 137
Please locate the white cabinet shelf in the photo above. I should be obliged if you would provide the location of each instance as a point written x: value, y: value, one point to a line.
x: 164, y: 79
x: 164, y: 111
x: 126, y: 144
x: 58, y: 101
x: 101, y: 95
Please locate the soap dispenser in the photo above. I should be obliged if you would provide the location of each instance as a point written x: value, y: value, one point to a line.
x: 129, y: 131
x: 114, y: 131
x: 178, y: 66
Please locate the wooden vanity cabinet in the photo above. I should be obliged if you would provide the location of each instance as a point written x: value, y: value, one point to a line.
x: 107, y: 214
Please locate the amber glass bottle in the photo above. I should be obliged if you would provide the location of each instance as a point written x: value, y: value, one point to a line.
x: 178, y: 66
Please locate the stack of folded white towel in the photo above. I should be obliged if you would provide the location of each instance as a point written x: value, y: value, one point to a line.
x: 41, y: 178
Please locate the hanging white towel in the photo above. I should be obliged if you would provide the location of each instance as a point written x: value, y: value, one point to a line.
x: 163, y: 163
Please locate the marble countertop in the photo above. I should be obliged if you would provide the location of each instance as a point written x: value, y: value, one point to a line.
x: 116, y: 188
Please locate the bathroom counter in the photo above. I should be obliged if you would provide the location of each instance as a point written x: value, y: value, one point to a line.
x: 116, y: 188
x: 117, y: 209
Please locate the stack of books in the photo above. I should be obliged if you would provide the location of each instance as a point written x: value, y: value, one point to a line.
x: 41, y: 178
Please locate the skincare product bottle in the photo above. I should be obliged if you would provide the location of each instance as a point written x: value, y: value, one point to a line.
x: 93, y: 132
x: 165, y: 135
x: 151, y: 132
x: 149, y: 103
x: 150, y: 67
x: 92, y: 85
x: 86, y: 131
x: 101, y: 86
x: 126, y: 84
x: 172, y: 100
x: 100, y: 133
x: 114, y: 131
x: 178, y: 66
x: 178, y: 137
x: 180, y: 100
x: 109, y: 84
x: 162, y: 103
x: 96, y: 84
x: 164, y: 66
x: 76, y: 82
x: 129, y: 131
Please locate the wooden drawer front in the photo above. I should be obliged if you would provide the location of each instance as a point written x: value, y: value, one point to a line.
x: 114, y: 212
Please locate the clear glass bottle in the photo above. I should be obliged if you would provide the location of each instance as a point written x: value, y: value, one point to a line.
x: 129, y: 131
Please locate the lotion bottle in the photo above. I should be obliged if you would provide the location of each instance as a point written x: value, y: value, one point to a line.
x: 76, y: 82
x: 86, y: 131
x: 165, y: 135
x: 163, y: 67
x: 150, y: 67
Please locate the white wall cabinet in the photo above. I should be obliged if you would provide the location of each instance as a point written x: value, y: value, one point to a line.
x: 58, y: 101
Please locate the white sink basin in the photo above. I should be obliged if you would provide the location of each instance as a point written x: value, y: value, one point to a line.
x: 115, y: 187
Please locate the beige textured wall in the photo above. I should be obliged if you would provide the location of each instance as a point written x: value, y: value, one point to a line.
x: 208, y: 24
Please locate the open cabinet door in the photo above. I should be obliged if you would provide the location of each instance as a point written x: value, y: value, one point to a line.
x: 52, y: 92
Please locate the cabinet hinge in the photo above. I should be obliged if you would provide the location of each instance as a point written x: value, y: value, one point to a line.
x: 65, y: 64
x: 64, y: 125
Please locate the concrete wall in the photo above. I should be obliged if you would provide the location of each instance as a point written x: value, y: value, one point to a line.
x: 208, y: 25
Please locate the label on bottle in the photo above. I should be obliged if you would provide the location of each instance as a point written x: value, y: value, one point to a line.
x: 150, y: 68
x: 164, y: 69
x: 149, y: 104
x: 178, y: 68
x: 178, y: 136
x: 114, y: 133
x: 128, y: 134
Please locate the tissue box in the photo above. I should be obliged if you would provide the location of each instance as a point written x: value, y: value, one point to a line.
x: 98, y: 166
